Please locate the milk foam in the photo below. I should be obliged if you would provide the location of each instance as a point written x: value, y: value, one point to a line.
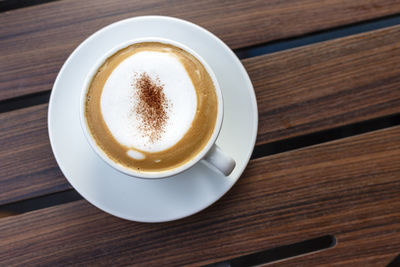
x: 118, y: 100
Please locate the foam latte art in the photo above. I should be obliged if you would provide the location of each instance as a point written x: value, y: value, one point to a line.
x: 119, y: 101
x: 151, y: 106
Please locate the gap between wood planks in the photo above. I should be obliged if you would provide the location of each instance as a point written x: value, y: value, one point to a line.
x: 280, y: 253
x: 7, y: 5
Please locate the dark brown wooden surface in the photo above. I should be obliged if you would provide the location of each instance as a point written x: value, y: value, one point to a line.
x: 348, y: 188
x: 27, y: 164
x: 35, y: 41
x: 328, y: 84
x: 299, y: 91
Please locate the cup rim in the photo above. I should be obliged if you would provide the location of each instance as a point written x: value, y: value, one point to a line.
x: 150, y: 174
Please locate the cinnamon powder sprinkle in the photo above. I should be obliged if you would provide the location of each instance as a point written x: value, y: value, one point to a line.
x: 151, y: 107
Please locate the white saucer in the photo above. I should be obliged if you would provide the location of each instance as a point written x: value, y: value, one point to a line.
x: 151, y: 200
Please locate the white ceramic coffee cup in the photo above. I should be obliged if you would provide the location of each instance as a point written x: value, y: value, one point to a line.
x: 211, y: 153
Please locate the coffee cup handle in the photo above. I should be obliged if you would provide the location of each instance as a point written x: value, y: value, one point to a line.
x: 220, y: 160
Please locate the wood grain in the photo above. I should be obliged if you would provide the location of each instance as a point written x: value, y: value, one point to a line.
x: 349, y: 188
x: 299, y: 91
x: 27, y: 165
x: 35, y: 41
x: 326, y: 85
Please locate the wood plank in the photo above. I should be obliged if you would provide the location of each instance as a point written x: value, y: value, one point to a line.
x: 27, y: 165
x: 35, y: 41
x: 299, y: 91
x: 349, y: 188
x: 328, y: 84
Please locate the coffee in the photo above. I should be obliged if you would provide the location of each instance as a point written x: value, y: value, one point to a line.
x: 151, y: 107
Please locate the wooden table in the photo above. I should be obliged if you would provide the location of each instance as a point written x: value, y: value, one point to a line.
x: 326, y: 167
